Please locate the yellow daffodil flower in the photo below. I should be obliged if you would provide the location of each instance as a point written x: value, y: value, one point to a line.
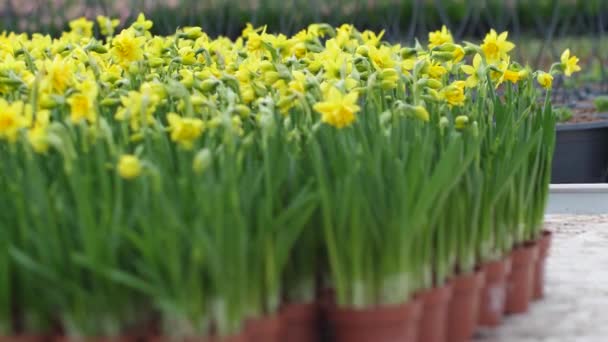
x: 129, y: 166
x: 496, y: 47
x: 184, y: 131
x: 440, y: 37
x: 545, y: 80
x: 569, y: 63
x: 338, y: 109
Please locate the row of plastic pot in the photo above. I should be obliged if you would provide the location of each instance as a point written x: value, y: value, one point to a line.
x: 450, y: 313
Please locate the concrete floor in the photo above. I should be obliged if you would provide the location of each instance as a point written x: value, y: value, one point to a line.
x: 575, y: 308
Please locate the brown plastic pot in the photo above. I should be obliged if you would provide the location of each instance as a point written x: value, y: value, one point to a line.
x: 463, y: 308
x: 379, y: 324
x: 95, y: 339
x: 493, y: 295
x: 266, y: 329
x: 433, y: 318
x: 520, y: 284
x: 235, y: 338
x: 300, y: 322
x: 544, y: 244
x: 25, y: 338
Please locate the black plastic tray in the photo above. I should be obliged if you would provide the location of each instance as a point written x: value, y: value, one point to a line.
x: 581, y: 152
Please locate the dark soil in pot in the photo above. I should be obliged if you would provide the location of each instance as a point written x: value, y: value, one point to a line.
x: 520, y: 284
x: 300, y: 323
x: 433, y: 319
x: 380, y: 324
x: 544, y: 244
x: 463, y: 309
x: 494, y: 292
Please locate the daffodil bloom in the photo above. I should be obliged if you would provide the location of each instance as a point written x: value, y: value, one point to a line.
x: 107, y: 25
x: 129, y: 166
x: 58, y: 76
x: 454, y: 93
x: 184, y: 131
x: 82, y: 27
x: 545, y: 80
x: 82, y: 108
x: 511, y: 76
x: 13, y: 118
x: 142, y: 24
x: 436, y: 70
x: 440, y: 37
x: 338, y: 109
x: 382, y: 57
x: 127, y: 48
x: 496, y: 47
x: 473, y: 71
x: 569, y: 63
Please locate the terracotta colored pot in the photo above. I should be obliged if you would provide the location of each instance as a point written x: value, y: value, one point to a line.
x: 95, y: 339
x: 266, y: 329
x: 463, y: 308
x: 494, y: 292
x: 300, y: 323
x: 544, y: 244
x: 380, y: 324
x: 520, y: 284
x: 433, y: 318
x: 25, y: 338
x: 236, y: 338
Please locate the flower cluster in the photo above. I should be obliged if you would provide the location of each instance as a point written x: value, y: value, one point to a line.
x: 189, y: 83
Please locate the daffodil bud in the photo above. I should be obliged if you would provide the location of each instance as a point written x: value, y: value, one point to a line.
x: 284, y: 73
x: 389, y: 74
x: 134, y: 68
x: 475, y: 129
x: 363, y: 50
x: 443, y: 56
x: 155, y: 62
x: 420, y: 66
x: 209, y: 85
x: 242, y: 110
x: 429, y: 82
x: 267, y: 66
x: 385, y: 118
x: 387, y: 85
x: 191, y: 32
x: 97, y: 47
x: 421, y: 113
x: 109, y: 102
x: 461, y: 121
x: 446, y: 47
x: 407, y: 52
x: 443, y: 123
x: 271, y: 76
x: 202, y: 160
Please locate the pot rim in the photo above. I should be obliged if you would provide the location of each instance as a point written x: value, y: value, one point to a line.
x: 581, y: 126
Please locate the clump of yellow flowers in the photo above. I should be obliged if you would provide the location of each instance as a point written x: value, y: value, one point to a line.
x: 132, y: 77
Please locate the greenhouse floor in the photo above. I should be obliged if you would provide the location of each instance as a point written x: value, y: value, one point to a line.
x: 576, y: 304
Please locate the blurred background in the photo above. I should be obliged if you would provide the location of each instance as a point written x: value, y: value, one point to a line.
x: 542, y: 29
